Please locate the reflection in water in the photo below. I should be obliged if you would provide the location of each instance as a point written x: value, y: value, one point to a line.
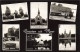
x: 66, y: 41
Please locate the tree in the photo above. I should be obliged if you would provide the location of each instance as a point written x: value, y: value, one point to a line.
x: 17, y: 33
x: 21, y: 11
x: 60, y: 5
x: 70, y: 14
x: 54, y: 3
x: 16, y: 14
x: 7, y: 12
x: 10, y: 32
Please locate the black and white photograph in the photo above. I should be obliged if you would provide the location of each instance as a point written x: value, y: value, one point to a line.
x: 39, y: 42
x: 67, y: 37
x: 14, y: 12
x: 38, y: 15
x: 10, y: 37
x: 63, y: 12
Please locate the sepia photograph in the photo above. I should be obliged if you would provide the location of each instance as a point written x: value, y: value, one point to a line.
x: 63, y: 12
x: 39, y: 42
x: 10, y: 37
x: 38, y: 18
x: 67, y: 37
x: 14, y: 12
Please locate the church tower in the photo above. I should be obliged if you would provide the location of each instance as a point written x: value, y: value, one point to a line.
x: 70, y: 33
x: 38, y: 11
x: 65, y: 34
x: 38, y: 18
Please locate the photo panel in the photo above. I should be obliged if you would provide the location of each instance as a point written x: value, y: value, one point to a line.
x: 63, y: 11
x: 14, y: 12
x: 39, y: 42
x: 10, y: 37
x: 67, y: 37
x: 38, y: 15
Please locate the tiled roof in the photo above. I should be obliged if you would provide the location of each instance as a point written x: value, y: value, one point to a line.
x: 55, y: 8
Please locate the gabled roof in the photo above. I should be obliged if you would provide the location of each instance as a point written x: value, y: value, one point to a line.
x: 55, y: 8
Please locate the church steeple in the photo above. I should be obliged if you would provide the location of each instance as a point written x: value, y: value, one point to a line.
x: 70, y: 33
x: 38, y: 17
x: 38, y: 11
x: 65, y: 35
x: 65, y: 32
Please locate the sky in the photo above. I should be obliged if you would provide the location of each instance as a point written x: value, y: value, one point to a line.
x: 15, y: 6
x: 72, y: 6
x: 67, y: 27
x: 44, y: 37
x: 43, y: 7
x: 5, y: 27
